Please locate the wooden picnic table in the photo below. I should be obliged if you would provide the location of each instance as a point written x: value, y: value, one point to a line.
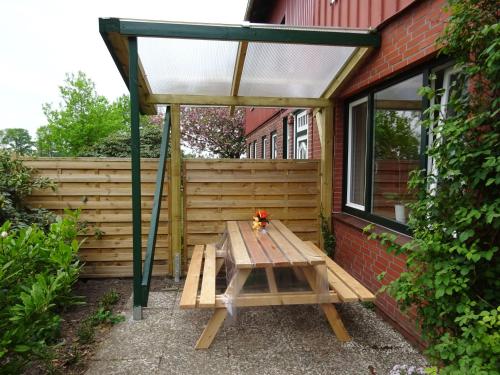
x: 245, y: 250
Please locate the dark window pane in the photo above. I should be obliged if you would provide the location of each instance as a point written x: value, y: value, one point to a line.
x: 396, y: 147
x: 357, y: 162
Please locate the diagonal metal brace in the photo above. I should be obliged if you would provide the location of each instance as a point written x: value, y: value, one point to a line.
x: 155, y: 215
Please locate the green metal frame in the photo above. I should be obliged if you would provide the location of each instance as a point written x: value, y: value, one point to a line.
x: 136, y: 174
x: 155, y: 215
x: 251, y: 33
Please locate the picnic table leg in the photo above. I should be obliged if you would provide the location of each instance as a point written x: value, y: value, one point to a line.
x: 329, y: 309
x: 235, y: 285
x: 212, y: 328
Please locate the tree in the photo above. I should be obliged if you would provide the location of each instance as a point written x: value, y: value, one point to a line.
x: 394, y: 135
x: 213, y: 130
x: 82, y: 119
x: 119, y: 144
x: 17, y: 140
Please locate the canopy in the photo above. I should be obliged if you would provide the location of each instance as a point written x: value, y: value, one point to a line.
x: 236, y: 65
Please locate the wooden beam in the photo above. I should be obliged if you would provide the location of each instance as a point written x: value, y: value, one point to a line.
x: 239, y: 101
x: 174, y: 196
x: 275, y: 299
x: 326, y: 127
x: 356, y: 58
x: 120, y: 45
x: 238, y: 70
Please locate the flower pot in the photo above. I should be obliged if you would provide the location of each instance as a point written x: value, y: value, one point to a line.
x: 400, y: 213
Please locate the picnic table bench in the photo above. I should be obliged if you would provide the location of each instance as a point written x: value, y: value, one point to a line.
x: 277, y: 247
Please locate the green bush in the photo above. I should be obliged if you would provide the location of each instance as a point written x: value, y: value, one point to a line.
x: 37, y: 271
x: 16, y: 182
x: 453, y: 263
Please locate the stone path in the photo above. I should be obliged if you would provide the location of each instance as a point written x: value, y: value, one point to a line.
x: 270, y: 340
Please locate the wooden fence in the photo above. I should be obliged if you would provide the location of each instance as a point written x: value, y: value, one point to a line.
x: 214, y: 191
x: 219, y: 190
x: 101, y: 188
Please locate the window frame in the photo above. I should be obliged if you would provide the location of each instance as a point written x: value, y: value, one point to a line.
x: 366, y: 213
x: 264, y: 147
x: 274, y: 145
x: 302, y: 134
x: 352, y: 104
x: 255, y: 149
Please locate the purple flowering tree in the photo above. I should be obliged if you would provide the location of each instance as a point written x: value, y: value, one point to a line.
x: 212, y: 130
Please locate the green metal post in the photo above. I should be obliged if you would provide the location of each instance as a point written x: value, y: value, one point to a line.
x: 136, y: 176
x: 155, y: 215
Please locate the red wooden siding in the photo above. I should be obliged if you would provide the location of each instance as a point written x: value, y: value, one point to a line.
x: 356, y: 13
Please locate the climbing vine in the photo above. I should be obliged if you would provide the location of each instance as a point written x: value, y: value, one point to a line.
x: 453, y: 268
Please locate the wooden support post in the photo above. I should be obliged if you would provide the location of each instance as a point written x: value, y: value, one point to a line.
x: 325, y: 126
x: 175, y: 196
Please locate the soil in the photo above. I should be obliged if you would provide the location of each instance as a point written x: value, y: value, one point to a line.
x: 70, y: 357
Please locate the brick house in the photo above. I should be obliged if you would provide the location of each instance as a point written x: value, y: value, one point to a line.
x: 369, y: 171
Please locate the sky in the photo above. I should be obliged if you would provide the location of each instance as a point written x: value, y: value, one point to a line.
x: 41, y: 41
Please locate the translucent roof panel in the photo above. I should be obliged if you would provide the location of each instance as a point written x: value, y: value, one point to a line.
x: 292, y: 70
x: 188, y: 66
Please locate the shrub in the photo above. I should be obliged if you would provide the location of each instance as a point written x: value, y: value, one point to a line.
x: 453, y: 267
x: 16, y: 182
x: 37, y: 271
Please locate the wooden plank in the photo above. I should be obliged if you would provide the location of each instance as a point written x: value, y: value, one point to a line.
x: 212, y: 328
x: 266, y: 189
x: 335, y: 321
x: 272, y: 250
x: 346, y: 71
x: 345, y: 294
x: 329, y: 310
x: 274, y: 299
x: 311, y: 256
x: 207, y: 293
x: 250, y: 164
x: 251, y: 178
x: 253, y: 246
x: 363, y: 293
x: 88, y: 163
x: 271, y: 280
x: 295, y: 257
x: 249, y: 203
x: 175, y: 195
x: 238, y: 248
x: 238, y: 101
x: 190, y: 291
x: 327, y: 167
x: 238, y: 70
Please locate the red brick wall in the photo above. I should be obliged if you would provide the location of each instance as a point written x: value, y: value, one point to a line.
x: 365, y: 259
x: 407, y: 40
x: 276, y: 124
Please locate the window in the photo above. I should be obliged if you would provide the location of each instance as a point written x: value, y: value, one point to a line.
x: 301, y: 127
x: 264, y: 147
x: 274, y: 145
x: 249, y: 155
x: 356, y: 160
x: 255, y: 149
x: 285, y: 138
x: 383, y: 146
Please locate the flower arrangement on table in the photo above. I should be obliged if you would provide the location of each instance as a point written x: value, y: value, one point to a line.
x: 260, y: 220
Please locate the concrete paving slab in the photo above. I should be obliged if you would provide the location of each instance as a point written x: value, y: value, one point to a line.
x: 144, y: 366
x: 266, y: 340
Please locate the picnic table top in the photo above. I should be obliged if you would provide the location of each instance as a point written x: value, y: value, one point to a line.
x: 276, y: 246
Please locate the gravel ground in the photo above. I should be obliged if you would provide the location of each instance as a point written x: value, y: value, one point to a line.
x: 267, y: 340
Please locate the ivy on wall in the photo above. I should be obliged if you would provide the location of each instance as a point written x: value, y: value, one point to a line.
x: 453, y: 268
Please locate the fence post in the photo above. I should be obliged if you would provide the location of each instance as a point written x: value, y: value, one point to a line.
x: 326, y: 138
x: 136, y: 176
x: 175, y: 196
